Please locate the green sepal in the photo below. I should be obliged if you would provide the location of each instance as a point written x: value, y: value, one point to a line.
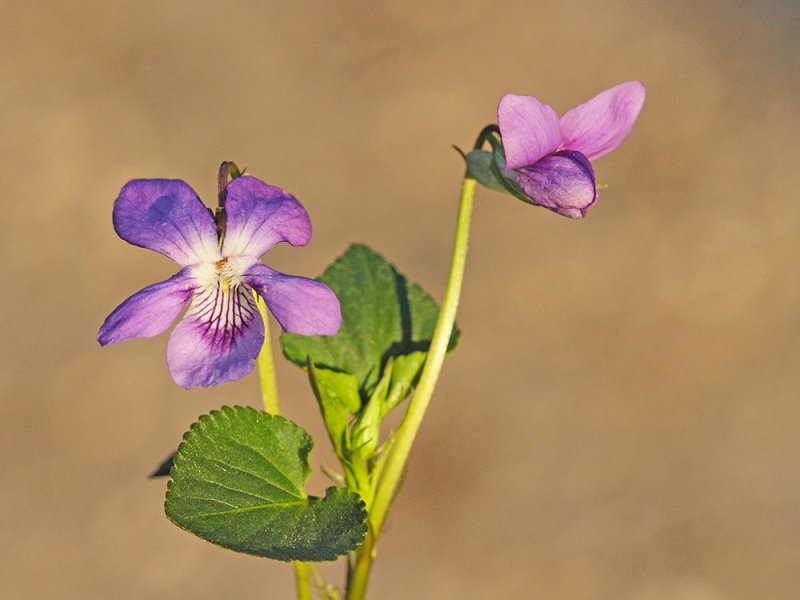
x: 506, y: 178
x: 479, y: 167
x: 488, y: 169
x: 384, y: 316
x: 238, y: 482
x: 405, y: 372
x: 337, y: 396
x: 367, y: 428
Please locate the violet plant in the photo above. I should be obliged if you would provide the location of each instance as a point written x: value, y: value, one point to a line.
x: 370, y: 340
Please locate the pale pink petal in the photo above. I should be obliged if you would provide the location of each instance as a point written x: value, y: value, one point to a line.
x: 529, y: 129
x: 596, y: 127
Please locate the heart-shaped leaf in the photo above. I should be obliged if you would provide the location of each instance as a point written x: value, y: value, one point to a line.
x: 383, y: 315
x: 238, y: 481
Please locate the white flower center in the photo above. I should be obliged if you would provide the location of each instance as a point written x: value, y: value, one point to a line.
x: 228, y: 276
x: 223, y: 304
x: 225, y: 273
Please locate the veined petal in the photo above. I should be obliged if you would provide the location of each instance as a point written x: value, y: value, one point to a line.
x: 149, y: 311
x: 166, y: 215
x: 529, y: 129
x: 217, y: 339
x: 300, y: 305
x: 259, y: 216
x: 596, y: 127
x: 563, y: 182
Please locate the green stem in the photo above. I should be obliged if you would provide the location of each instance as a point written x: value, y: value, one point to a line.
x: 418, y: 404
x: 358, y: 576
x: 266, y: 366
x: 301, y: 578
x: 269, y: 394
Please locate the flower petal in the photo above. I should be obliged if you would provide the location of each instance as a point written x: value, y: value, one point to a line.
x: 217, y: 339
x: 259, y: 216
x: 149, y: 311
x: 596, y: 127
x: 529, y: 129
x: 300, y: 305
x: 563, y: 182
x: 166, y: 215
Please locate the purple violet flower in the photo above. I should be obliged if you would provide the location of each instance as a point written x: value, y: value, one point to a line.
x: 548, y: 159
x: 222, y: 332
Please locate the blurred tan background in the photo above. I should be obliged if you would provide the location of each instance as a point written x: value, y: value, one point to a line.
x: 621, y: 420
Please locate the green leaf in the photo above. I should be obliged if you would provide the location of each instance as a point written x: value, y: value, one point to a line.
x: 238, y: 482
x: 337, y: 395
x: 384, y: 315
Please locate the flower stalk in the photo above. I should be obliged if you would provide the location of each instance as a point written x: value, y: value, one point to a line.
x: 269, y: 395
x: 264, y: 361
x: 266, y: 365
x: 301, y: 580
x: 407, y: 432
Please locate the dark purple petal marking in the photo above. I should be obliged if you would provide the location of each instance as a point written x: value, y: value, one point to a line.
x: 149, y: 311
x: 529, y: 129
x: 166, y: 215
x: 260, y: 216
x: 217, y: 339
x: 300, y: 305
x: 599, y: 125
x: 563, y: 182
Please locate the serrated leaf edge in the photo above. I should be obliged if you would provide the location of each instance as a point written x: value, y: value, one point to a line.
x: 309, y: 501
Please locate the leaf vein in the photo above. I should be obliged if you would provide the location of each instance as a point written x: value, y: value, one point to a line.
x: 281, y: 505
x: 236, y: 468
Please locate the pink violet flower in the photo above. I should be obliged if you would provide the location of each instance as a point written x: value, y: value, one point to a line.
x: 222, y: 331
x: 549, y: 158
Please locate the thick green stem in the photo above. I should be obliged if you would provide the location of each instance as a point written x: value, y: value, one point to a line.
x: 269, y: 395
x: 418, y: 404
